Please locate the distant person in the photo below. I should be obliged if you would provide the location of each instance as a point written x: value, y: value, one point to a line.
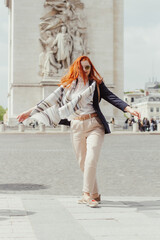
x: 112, y: 121
x: 140, y: 125
x: 130, y: 122
x: 126, y: 123
x: 132, y: 119
x: 153, y: 124
x: 146, y: 124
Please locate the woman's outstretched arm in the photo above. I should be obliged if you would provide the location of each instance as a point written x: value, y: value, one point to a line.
x: 24, y: 115
x: 109, y: 96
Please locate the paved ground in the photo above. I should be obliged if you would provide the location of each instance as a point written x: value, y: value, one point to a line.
x: 45, y: 164
x: 40, y: 184
x: 46, y: 217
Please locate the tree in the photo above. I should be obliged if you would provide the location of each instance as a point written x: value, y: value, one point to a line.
x: 2, y: 112
x: 142, y: 90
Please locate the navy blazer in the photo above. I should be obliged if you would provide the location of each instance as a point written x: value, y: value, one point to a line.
x: 107, y: 95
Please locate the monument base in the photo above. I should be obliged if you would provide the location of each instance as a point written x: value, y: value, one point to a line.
x: 48, y: 87
x: 12, y: 122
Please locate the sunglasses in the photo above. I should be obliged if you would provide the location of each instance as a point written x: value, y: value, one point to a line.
x: 87, y: 67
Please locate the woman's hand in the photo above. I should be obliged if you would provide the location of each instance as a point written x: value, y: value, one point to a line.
x: 24, y: 115
x: 132, y: 112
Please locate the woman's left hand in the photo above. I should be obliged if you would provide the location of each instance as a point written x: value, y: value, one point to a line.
x: 133, y: 112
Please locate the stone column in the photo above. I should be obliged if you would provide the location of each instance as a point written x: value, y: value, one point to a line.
x: 10, y: 53
x: 118, y: 73
x: 24, y: 90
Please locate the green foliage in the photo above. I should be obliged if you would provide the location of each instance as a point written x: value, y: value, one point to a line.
x: 127, y: 92
x: 133, y: 91
x: 2, y: 112
x: 142, y: 90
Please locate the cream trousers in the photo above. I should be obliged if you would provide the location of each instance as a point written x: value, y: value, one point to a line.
x: 87, y: 138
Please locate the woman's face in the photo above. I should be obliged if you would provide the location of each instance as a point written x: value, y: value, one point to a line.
x: 86, y: 67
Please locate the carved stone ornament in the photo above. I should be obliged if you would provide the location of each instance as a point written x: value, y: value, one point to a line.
x: 62, y: 36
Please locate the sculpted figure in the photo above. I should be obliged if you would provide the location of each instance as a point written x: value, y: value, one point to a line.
x: 47, y: 62
x: 62, y: 13
x: 66, y: 21
x: 50, y: 23
x: 78, y: 46
x: 64, y: 45
x: 55, y: 3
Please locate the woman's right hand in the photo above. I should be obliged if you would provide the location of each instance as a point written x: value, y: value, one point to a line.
x: 23, y: 116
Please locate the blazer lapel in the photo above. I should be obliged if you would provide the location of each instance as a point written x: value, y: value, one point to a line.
x: 90, y: 82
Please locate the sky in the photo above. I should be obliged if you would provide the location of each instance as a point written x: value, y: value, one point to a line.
x: 141, y: 42
x: 141, y: 45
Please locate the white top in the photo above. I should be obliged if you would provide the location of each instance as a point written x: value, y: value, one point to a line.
x: 86, y: 108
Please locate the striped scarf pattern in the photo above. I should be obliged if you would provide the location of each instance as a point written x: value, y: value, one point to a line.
x: 59, y: 105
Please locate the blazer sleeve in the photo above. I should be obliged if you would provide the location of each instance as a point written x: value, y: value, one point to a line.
x: 110, y: 97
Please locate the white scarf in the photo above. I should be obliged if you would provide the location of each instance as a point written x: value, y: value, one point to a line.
x: 58, y: 105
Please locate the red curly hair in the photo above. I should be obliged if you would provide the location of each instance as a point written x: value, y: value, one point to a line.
x: 76, y: 70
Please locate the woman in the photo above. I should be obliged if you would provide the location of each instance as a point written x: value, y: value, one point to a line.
x: 77, y: 99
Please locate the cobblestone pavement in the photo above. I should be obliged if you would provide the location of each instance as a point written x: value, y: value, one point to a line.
x: 129, y: 165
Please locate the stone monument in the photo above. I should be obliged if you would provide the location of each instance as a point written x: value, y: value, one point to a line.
x: 46, y: 36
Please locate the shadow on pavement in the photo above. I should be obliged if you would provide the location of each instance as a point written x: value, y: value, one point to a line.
x: 14, y: 213
x: 22, y: 187
x: 140, y: 205
x: 3, y: 219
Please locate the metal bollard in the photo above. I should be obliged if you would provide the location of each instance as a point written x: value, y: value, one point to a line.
x: 21, y: 127
x: 135, y: 127
x: 41, y: 127
x: 111, y: 126
x: 2, y: 127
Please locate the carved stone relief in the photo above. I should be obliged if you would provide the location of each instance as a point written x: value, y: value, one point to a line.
x: 62, y: 36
